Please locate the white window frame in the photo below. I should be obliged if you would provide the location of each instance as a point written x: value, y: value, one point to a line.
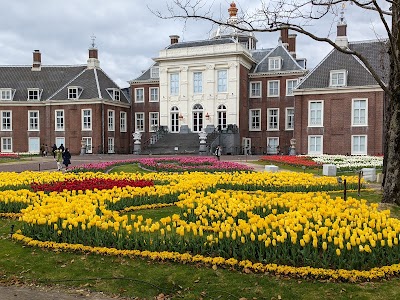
x: 253, y: 126
x: 255, y: 89
x: 34, y: 94
x: 153, y: 121
x: 270, y: 82
x: 6, y: 144
x: 272, y: 149
x: 89, y: 144
x: 174, y: 84
x: 87, y: 119
x: 197, y: 82
x: 111, y: 120
x: 289, y: 118
x: 155, y: 72
x: 154, y: 93
x: 6, y: 94
x: 356, y: 147
x: 110, y: 145
x: 312, y: 147
x: 290, y: 85
x: 274, y: 63
x: 36, y: 124
x: 114, y: 93
x: 334, y: 78
x: 8, y: 124
x: 123, y: 121
x: 74, y: 92
x: 59, y: 120
x: 310, y: 123
x: 273, y: 118
x: 139, y: 95
x: 139, y: 122
x: 355, y: 112
x: 222, y: 81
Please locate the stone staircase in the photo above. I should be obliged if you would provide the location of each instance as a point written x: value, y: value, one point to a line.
x: 174, y: 143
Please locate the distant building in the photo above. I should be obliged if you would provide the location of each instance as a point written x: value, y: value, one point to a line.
x: 222, y: 83
x: 339, y: 106
x: 70, y: 105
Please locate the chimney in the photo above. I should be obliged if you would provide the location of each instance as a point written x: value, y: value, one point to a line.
x: 341, y: 38
x: 285, y: 37
x: 93, y: 61
x: 37, y: 60
x: 292, y: 44
x: 174, y: 39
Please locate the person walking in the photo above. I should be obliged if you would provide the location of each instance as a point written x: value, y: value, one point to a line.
x: 66, y: 158
x: 53, y: 150
x: 59, y: 159
x: 61, y: 148
x: 42, y: 150
x: 218, y: 151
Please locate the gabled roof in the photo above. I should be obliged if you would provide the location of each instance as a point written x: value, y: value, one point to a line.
x: 55, y: 80
x: 146, y: 75
x: 288, y: 62
x: 374, y: 51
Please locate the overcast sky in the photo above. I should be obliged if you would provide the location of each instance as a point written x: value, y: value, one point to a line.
x: 129, y: 35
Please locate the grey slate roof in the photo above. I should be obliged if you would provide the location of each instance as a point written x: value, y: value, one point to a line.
x: 202, y: 43
x: 358, y: 75
x: 55, y: 80
x: 288, y: 62
x: 146, y: 75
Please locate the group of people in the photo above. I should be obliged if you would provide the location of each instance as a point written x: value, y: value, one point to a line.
x: 62, y: 156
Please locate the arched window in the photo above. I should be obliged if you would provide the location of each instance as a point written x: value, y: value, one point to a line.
x: 221, y: 113
x: 174, y: 119
x: 197, y: 117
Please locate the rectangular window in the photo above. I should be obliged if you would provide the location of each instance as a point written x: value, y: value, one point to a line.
x: 359, y: 112
x: 6, y: 120
x: 274, y: 63
x: 255, y: 89
x: 255, y: 119
x: 338, y: 78
x: 359, y: 145
x: 155, y: 72
x: 222, y: 77
x: 290, y: 84
x: 289, y: 124
x: 197, y: 82
x: 88, y: 143
x: 74, y: 92
x: 139, y: 95
x: 315, y: 114
x: 315, y: 144
x: 5, y: 94
x: 273, y: 119
x: 111, y: 120
x: 139, y: 122
x: 33, y: 120
x: 86, y: 119
x: 123, y: 121
x: 273, y: 145
x: 6, y: 144
x: 153, y: 91
x: 33, y: 94
x: 59, y: 120
x: 174, y: 83
x: 111, y: 145
x: 153, y: 121
x: 273, y: 88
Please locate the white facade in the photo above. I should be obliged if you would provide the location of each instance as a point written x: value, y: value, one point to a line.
x: 192, y: 84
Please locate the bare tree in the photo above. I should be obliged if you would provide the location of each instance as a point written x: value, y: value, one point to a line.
x: 299, y: 16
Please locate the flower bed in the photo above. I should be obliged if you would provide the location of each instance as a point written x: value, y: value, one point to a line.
x: 292, y: 160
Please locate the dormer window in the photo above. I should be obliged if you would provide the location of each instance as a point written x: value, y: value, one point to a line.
x: 338, y: 78
x: 34, y: 94
x: 114, y: 93
x: 155, y: 72
x: 6, y: 94
x: 274, y: 63
x: 74, y: 92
